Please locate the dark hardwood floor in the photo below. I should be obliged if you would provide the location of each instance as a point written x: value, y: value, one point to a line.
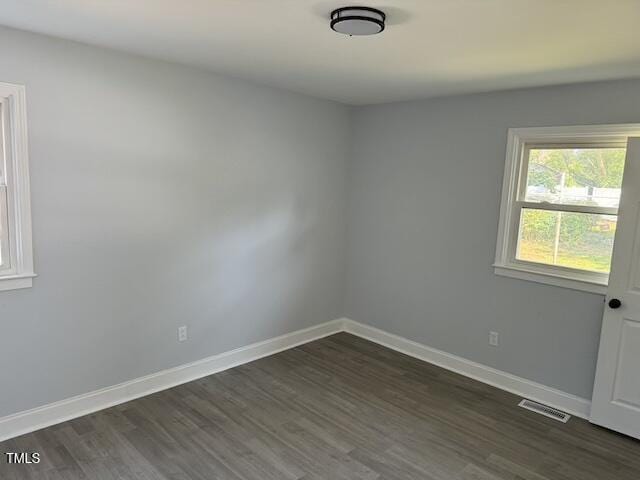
x: 338, y: 408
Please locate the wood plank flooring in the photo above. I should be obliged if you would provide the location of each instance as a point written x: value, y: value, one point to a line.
x: 335, y: 409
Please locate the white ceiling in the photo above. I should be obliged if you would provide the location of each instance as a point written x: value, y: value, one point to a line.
x: 430, y: 47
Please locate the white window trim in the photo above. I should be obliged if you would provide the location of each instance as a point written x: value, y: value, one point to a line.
x: 21, y: 273
x: 505, y: 263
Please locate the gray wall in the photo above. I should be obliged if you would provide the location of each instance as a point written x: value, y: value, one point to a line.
x: 163, y: 196
x: 425, y: 187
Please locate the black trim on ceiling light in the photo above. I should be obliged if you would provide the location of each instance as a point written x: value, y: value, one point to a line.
x: 337, y: 18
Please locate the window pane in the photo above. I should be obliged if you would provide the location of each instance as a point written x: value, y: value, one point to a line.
x: 575, y: 176
x: 575, y: 240
x: 4, y: 237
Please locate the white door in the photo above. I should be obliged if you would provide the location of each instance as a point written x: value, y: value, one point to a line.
x: 616, y: 393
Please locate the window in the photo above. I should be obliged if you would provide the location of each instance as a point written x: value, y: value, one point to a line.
x: 560, y: 200
x: 16, y: 258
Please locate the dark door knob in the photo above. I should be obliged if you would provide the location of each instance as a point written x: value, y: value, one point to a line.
x: 614, y: 303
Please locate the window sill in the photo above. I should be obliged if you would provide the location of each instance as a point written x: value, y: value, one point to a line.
x: 549, y: 278
x: 14, y: 282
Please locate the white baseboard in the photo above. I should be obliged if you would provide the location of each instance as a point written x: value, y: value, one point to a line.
x: 51, y: 414
x: 566, y: 402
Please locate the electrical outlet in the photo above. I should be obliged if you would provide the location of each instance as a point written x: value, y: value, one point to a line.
x: 494, y: 339
x: 182, y: 333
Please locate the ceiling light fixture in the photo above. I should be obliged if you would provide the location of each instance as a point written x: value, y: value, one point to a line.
x: 357, y: 20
